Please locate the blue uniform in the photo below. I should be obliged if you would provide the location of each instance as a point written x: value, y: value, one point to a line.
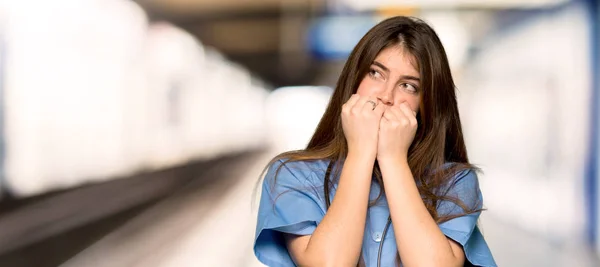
x: 295, y: 204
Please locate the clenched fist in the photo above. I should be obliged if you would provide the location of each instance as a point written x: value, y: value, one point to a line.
x: 361, y: 116
x: 397, y: 130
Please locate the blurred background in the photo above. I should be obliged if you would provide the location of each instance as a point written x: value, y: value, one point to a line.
x: 133, y: 133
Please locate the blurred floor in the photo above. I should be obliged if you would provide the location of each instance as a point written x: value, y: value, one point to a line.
x: 212, y: 224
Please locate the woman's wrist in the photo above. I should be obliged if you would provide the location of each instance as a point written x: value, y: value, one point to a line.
x: 361, y: 157
x: 398, y: 161
x: 362, y: 153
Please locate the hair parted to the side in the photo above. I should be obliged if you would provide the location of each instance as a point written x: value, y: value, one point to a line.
x: 439, y: 137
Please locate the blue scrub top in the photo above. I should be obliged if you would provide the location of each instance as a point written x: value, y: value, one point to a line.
x: 295, y: 204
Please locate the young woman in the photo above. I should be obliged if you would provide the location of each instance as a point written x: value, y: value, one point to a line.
x: 385, y: 179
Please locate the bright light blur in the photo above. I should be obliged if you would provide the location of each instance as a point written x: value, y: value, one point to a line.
x: 98, y: 90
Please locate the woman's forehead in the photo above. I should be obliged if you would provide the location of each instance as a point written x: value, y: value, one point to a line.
x: 398, y: 60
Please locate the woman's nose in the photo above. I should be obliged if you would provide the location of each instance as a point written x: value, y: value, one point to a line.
x: 387, y: 97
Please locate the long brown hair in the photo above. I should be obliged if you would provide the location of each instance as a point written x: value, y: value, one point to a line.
x: 439, y: 137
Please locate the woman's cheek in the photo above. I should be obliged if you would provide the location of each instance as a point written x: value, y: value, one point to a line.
x: 363, y: 88
x: 414, y: 105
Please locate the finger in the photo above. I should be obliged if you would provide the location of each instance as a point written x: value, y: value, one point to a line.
x: 352, y: 100
x: 368, y: 104
x: 347, y: 107
x: 405, y: 109
x: 383, y: 121
x: 408, y: 112
x: 397, y: 112
x: 389, y: 114
x: 360, y: 103
x: 386, y: 117
x: 379, y: 109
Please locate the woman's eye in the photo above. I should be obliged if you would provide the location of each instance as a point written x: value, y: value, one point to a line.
x: 375, y: 74
x: 411, y: 88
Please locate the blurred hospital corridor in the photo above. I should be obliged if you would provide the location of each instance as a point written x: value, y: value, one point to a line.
x: 134, y: 133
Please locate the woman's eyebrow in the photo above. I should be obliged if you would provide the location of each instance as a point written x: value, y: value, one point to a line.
x: 383, y: 67
x: 403, y: 77
x: 408, y: 77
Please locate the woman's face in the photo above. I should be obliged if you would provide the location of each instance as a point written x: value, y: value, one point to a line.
x: 393, y: 78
